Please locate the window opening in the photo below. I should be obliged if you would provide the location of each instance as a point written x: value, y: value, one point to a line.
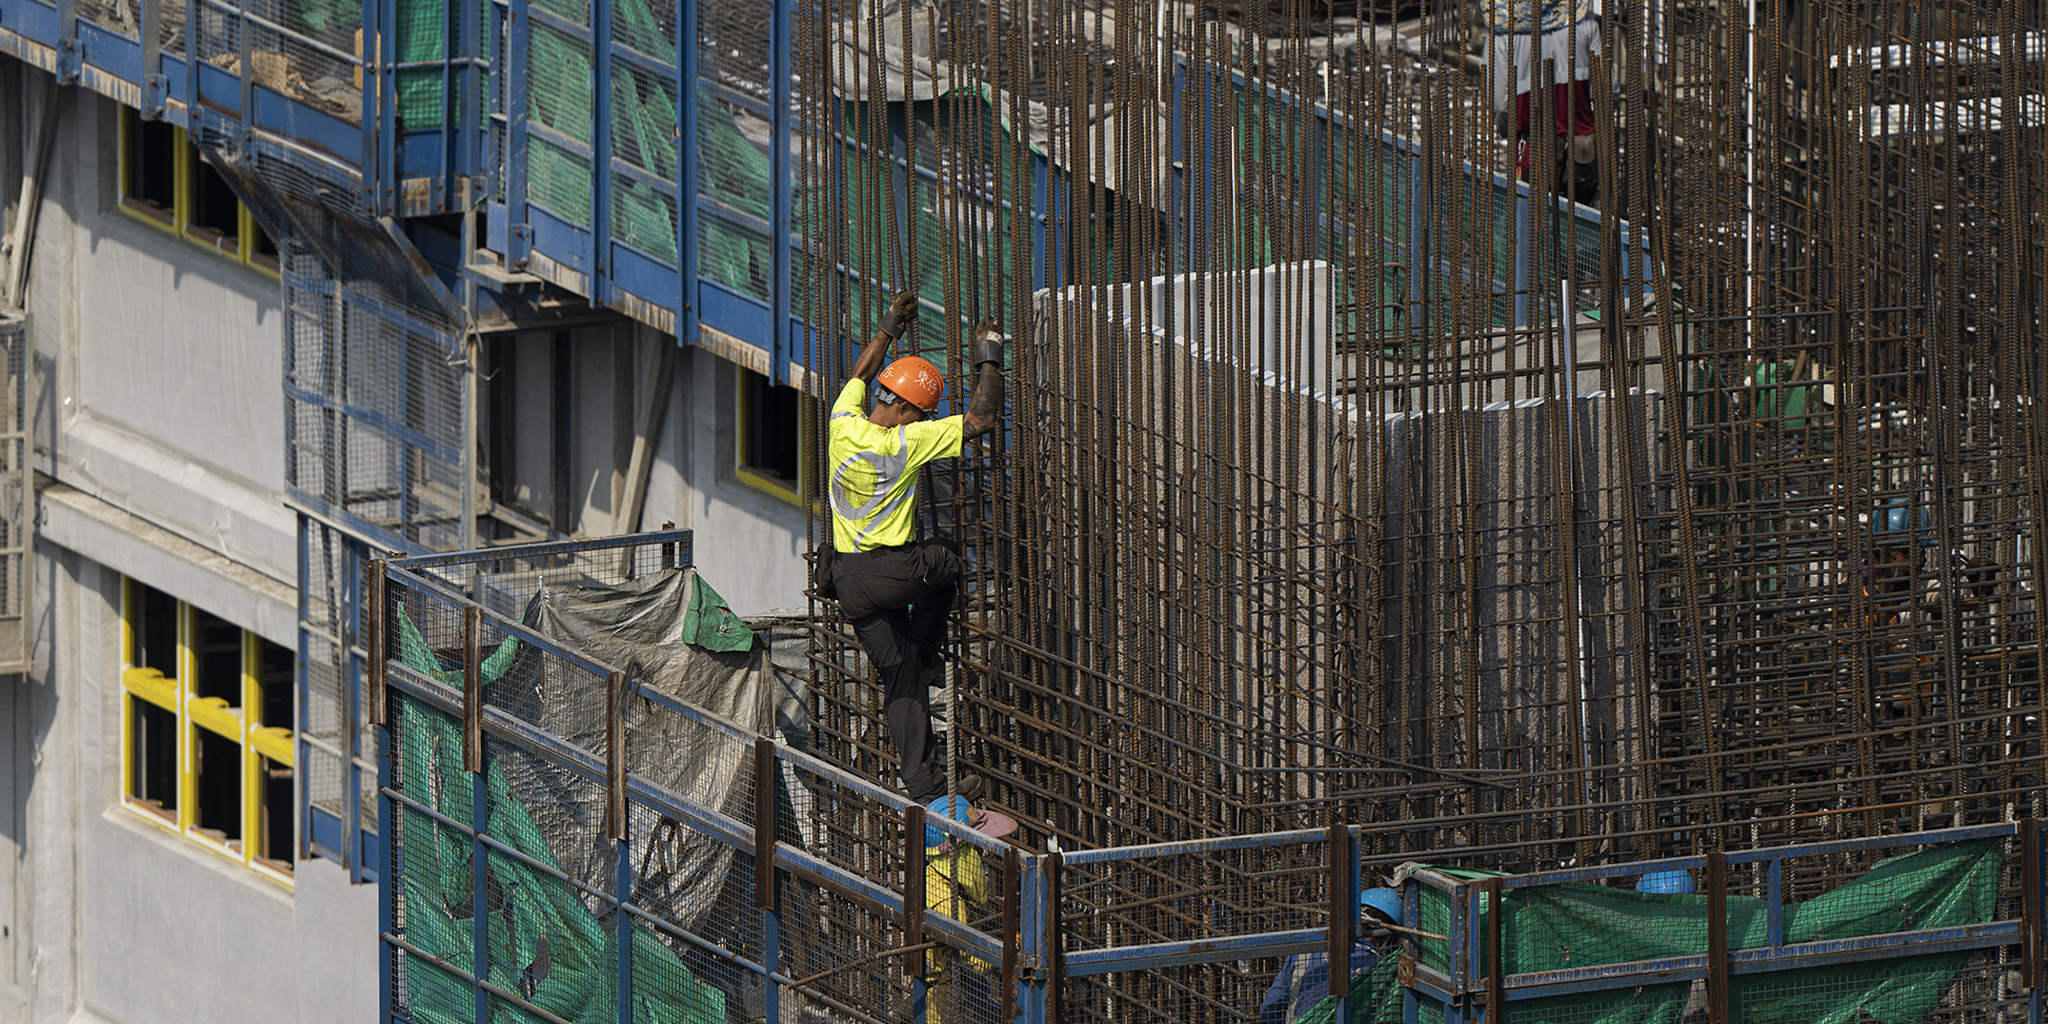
x: 151, y: 621
x: 164, y: 181
x: 149, y: 174
x: 773, y: 425
x: 271, y: 832
x: 154, y: 783
x: 216, y: 215
x: 206, y: 716
x: 217, y: 653
x: 217, y: 771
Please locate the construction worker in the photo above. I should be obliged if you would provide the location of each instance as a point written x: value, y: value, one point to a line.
x: 956, y: 885
x: 1304, y: 979
x: 1525, y: 33
x: 894, y: 589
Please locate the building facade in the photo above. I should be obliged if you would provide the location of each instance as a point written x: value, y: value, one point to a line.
x: 163, y: 764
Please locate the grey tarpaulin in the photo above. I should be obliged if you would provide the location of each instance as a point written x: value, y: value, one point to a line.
x: 638, y: 626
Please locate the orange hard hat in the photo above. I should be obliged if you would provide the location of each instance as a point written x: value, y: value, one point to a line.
x: 915, y: 381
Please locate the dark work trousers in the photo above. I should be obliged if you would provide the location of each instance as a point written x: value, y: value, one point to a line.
x: 897, y: 600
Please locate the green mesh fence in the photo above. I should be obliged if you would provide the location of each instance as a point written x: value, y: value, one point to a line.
x: 1376, y: 997
x: 533, y: 918
x: 1575, y: 925
x: 733, y: 171
x: 422, y: 36
x: 559, y: 97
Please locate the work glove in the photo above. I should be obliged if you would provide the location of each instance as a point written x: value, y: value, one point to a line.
x: 988, y: 342
x: 902, y: 310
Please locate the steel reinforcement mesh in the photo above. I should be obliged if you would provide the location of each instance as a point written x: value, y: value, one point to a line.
x: 1316, y: 535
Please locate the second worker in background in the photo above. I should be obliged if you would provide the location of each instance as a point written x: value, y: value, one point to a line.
x: 894, y: 588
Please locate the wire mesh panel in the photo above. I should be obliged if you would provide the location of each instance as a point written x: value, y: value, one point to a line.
x: 336, y: 769
x: 558, y: 165
x: 733, y: 139
x: 1205, y: 895
x: 17, y: 491
x: 1833, y: 931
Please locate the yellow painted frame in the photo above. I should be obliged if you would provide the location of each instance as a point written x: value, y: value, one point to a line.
x: 807, y: 416
x: 243, y: 725
x: 185, y: 165
x: 188, y: 743
x: 252, y: 762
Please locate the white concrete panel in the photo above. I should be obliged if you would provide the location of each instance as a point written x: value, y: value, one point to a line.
x: 176, y: 343
x: 749, y: 544
x: 181, y: 346
x: 160, y: 362
x: 170, y: 563
x: 592, y: 436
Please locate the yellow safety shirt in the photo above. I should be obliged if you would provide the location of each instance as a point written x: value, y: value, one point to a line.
x: 873, y: 471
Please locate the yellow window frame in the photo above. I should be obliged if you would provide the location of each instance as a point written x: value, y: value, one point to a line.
x: 808, y: 413
x: 243, y: 725
x: 185, y: 167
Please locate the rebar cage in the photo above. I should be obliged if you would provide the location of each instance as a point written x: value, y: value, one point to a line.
x: 1688, y: 502
x: 530, y: 877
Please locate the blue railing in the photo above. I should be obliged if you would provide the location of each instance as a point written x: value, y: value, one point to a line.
x: 819, y: 895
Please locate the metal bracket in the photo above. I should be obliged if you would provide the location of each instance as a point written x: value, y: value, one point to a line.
x: 155, y: 92
x: 70, y: 59
x: 519, y: 246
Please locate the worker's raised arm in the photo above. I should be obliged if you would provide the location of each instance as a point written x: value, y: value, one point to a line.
x: 985, y: 410
x: 902, y: 310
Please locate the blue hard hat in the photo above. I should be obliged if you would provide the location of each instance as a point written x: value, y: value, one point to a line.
x: 1385, y: 902
x: 1895, y: 521
x: 955, y: 807
x: 1667, y: 883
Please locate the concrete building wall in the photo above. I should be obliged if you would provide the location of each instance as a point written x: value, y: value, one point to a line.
x: 749, y: 543
x: 161, y: 362
x: 159, y: 419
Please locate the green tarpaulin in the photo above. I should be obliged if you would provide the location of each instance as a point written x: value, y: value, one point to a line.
x: 544, y: 942
x: 1581, y: 925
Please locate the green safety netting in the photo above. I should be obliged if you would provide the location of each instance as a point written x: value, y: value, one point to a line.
x: 544, y: 942
x: 1375, y: 997
x: 1581, y: 925
x: 733, y: 169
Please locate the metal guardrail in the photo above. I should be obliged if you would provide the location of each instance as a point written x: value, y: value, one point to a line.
x: 807, y: 921
x: 795, y: 923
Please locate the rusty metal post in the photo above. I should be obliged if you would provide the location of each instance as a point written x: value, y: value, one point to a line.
x: 615, y: 755
x: 472, y: 689
x: 2032, y: 946
x: 765, y: 825
x: 1343, y: 908
x: 379, y: 619
x: 1013, y: 881
x: 1717, y: 937
x: 913, y: 890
